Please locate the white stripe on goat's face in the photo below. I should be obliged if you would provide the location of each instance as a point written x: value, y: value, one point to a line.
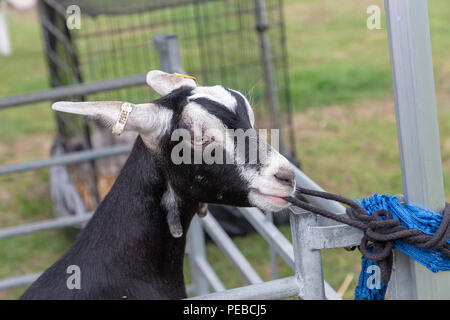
x: 216, y: 93
x: 209, y: 112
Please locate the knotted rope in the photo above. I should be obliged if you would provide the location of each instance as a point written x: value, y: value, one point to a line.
x: 381, y: 229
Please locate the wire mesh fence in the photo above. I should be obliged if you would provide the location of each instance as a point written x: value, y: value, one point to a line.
x: 218, y: 40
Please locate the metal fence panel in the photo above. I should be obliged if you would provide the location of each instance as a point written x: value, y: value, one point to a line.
x: 418, y: 136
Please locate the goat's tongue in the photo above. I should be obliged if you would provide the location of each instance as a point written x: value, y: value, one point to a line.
x: 277, y: 200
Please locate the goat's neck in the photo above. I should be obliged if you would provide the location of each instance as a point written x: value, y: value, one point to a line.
x: 134, y: 223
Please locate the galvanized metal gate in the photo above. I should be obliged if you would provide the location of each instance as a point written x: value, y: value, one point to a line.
x: 203, y: 275
x: 418, y: 136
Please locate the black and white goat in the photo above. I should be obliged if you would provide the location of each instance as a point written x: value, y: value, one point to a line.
x: 133, y: 246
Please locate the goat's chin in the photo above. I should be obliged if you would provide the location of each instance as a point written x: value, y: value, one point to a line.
x: 267, y: 202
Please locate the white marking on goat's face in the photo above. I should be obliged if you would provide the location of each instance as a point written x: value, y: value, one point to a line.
x: 216, y: 93
x: 250, y: 113
x: 223, y: 96
x: 197, y: 118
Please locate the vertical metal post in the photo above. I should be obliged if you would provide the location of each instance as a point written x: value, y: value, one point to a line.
x: 262, y: 25
x: 5, y: 41
x: 308, y: 263
x: 418, y: 136
x: 272, y: 252
x: 169, y: 52
x: 169, y: 55
x: 196, y: 245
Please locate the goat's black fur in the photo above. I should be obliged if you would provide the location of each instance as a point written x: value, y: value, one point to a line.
x: 126, y: 250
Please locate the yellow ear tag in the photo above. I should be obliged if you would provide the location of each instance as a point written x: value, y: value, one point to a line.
x: 185, y: 76
x: 125, y: 110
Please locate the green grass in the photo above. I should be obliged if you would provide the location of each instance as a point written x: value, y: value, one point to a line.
x: 26, y: 120
x: 345, y: 127
x: 335, y: 59
x: 331, y: 83
x: 23, y: 72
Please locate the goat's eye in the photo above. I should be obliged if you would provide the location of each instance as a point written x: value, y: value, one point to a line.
x: 202, y: 141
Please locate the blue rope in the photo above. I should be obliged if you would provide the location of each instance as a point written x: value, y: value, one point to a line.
x: 411, y: 217
x: 369, y: 285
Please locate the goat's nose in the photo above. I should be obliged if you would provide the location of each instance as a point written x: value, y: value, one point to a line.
x: 286, y: 176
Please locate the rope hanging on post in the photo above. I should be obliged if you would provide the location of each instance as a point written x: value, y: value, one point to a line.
x: 387, y: 224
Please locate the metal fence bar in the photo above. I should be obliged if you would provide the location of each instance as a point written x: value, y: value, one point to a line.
x: 418, y: 136
x: 210, y: 275
x: 224, y: 242
x: 275, y: 289
x: 44, y: 225
x: 330, y: 293
x: 270, y: 233
x: 196, y: 243
x: 82, y: 89
x: 169, y: 52
x: 28, y: 279
x: 14, y: 282
x: 73, y: 157
x: 262, y: 25
x: 280, y: 244
x: 269, y: 290
x: 331, y: 237
x: 308, y: 262
x: 272, y: 252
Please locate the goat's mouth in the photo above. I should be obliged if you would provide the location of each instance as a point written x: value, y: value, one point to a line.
x: 269, y: 202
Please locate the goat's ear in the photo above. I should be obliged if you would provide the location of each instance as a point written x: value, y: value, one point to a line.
x: 164, y: 83
x: 142, y: 118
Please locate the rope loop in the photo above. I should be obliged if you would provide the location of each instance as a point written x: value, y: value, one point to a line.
x: 381, y: 230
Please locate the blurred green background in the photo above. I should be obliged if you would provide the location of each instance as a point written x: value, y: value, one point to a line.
x: 344, y: 123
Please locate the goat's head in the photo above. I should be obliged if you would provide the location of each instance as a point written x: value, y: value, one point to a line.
x: 191, y: 120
